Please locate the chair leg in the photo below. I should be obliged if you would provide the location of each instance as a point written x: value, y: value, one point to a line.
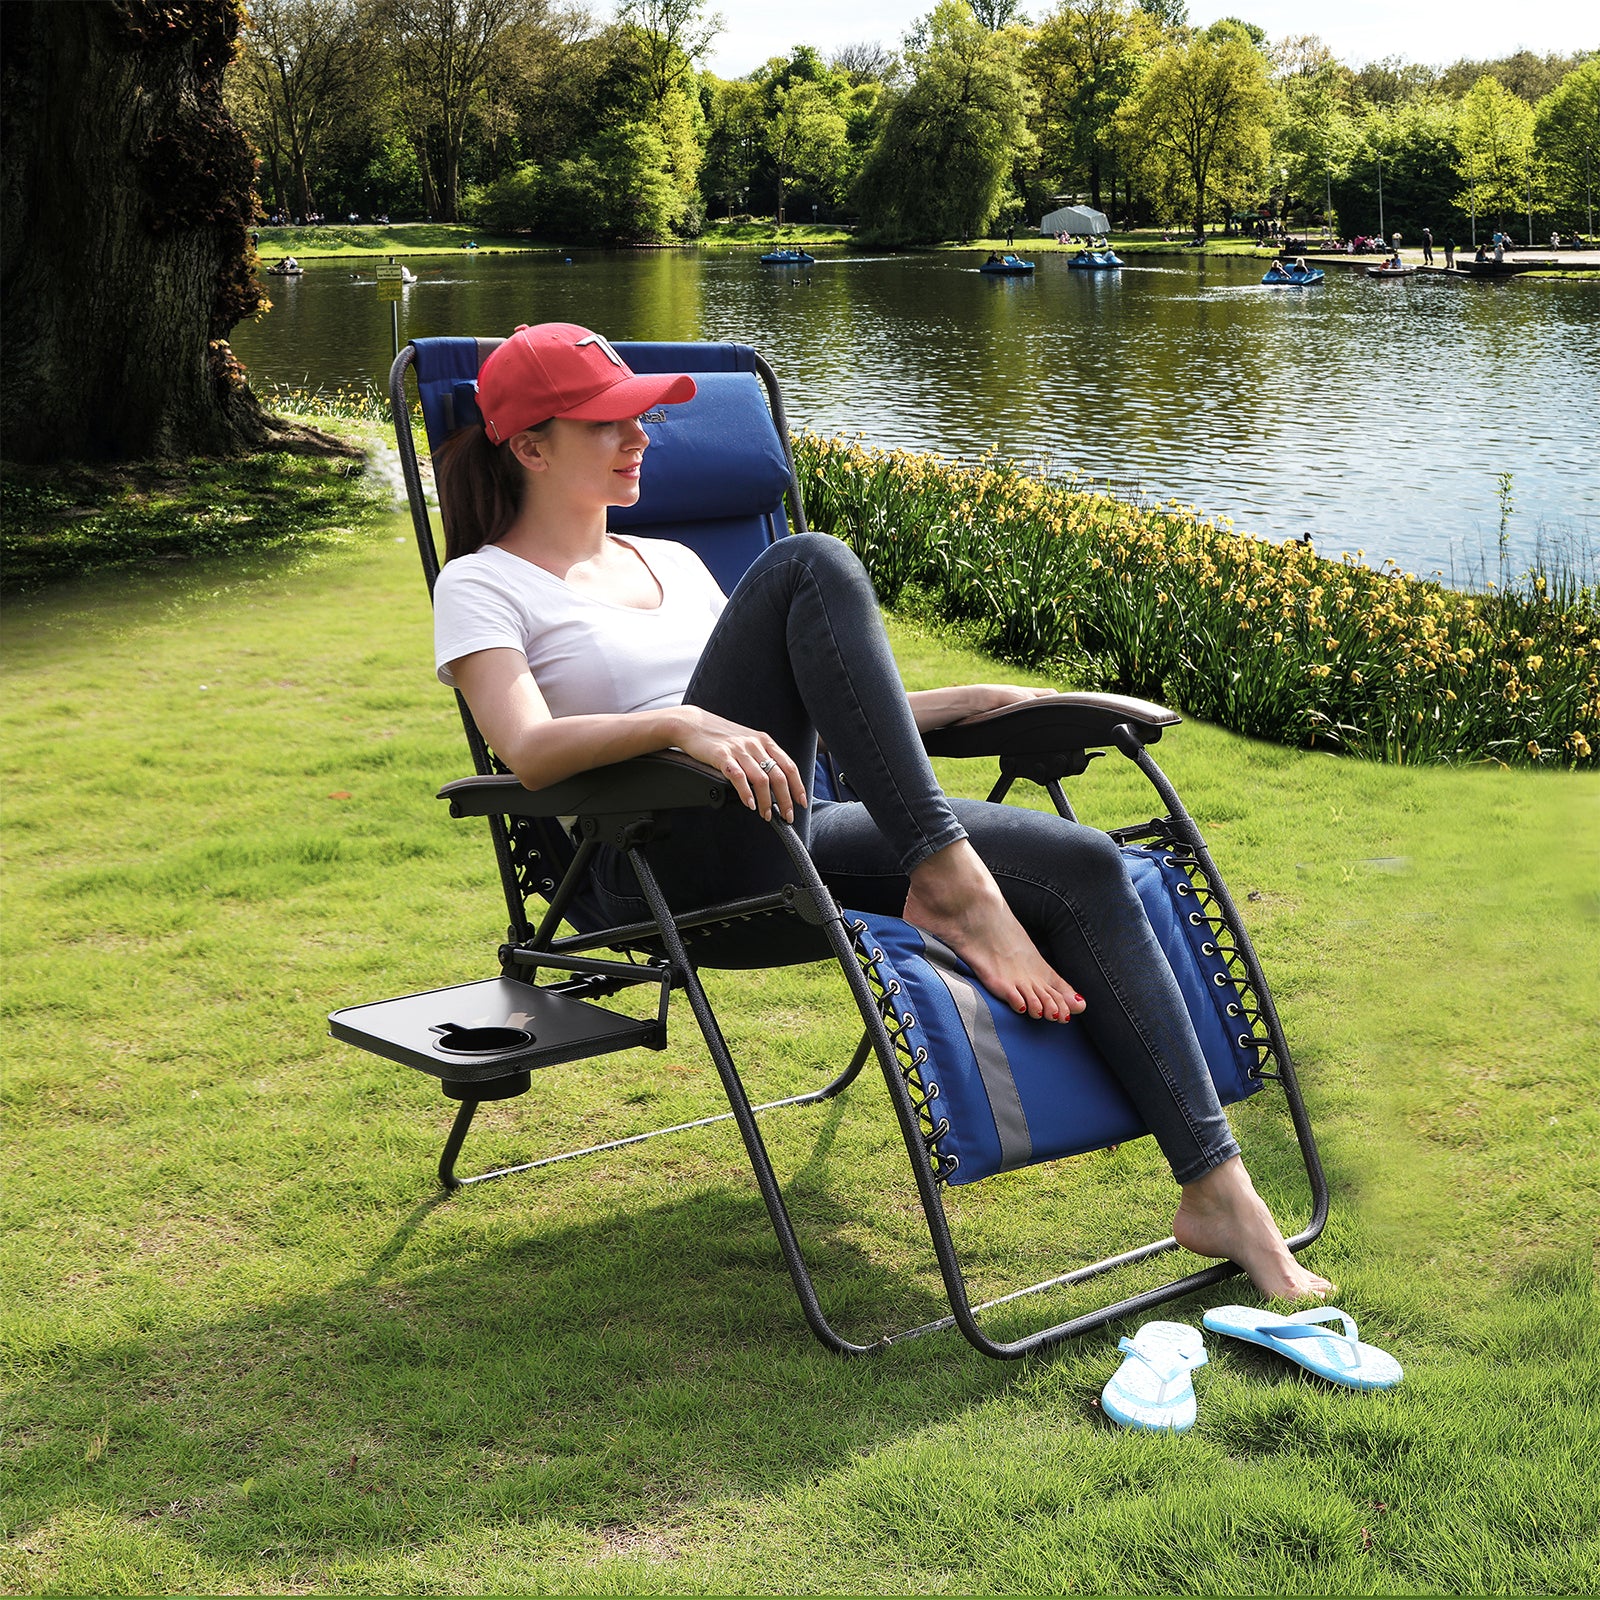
x: 452, y: 1145
x: 1298, y: 1115
x: 742, y: 1112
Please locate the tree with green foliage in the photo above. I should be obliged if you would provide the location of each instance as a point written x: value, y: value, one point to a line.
x: 443, y: 52
x: 997, y: 14
x: 805, y: 136
x: 1566, y: 136
x: 1393, y: 80
x: 735, y: 115
x: 1417, y: 142
x: 1315, y: 134
x: 1528, y: 76
x: 1085, y: 59
x: 1205, y: 109
x: 617, y: 190
x: 510, y: 203
x: 673, y: 35
x: 1237, y: 28
x: 1496, y: 151
x: 951, y: 139
x: 300, y: 67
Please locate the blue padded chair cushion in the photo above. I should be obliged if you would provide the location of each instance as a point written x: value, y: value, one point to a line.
x: 714, y: 457
x: 662, y: 356
x: 1033, y: 1091
x: 447, y: 383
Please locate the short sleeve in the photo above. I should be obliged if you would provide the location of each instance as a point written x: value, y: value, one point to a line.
x: 472, y: 612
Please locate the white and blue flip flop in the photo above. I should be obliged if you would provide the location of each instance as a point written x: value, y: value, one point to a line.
x: 1339, y: 1357
x: 1151, y: 1390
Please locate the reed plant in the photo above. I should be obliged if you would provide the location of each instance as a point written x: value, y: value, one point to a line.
x: 1271, y: 640
x: 364, y: 402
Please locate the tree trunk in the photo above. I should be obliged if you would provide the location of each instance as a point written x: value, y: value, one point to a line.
x: 124, y: 214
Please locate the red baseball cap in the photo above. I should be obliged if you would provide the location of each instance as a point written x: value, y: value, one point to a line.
x: 558, y: 369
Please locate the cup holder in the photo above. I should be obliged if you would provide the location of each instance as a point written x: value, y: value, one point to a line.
x: 480, y: 1041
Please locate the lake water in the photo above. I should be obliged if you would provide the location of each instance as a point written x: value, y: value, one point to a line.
x: 1373, y: 415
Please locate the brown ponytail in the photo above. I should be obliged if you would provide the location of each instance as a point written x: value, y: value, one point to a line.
x: 480, y: 490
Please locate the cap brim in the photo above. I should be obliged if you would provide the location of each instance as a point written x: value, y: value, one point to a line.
x: 633, y: 396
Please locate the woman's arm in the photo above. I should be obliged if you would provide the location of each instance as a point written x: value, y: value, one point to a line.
x: 938, y: 708
x: 541, y: 749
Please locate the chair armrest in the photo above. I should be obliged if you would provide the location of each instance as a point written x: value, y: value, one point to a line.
x: 1050, y: 725
x: 664, y: 782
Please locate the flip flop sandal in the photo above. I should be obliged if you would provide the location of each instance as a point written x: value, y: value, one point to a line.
x: 1340, y: 1357
x: 1151, y: 1390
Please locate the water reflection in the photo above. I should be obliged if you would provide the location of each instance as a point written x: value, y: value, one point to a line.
x: 1371, y: 414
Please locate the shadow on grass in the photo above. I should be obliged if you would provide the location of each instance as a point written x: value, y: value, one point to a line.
x: 618, y: 1369
x: 609, y: 1370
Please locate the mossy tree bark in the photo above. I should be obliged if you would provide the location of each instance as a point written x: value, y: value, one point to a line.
x: 124, y: 215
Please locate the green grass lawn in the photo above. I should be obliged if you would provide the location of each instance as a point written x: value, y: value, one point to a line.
x: 367, y: 239
x: 764, y: 231
x: 250, y: 1349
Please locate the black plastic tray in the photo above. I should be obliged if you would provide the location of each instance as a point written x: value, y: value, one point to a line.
x: 407, y: 1029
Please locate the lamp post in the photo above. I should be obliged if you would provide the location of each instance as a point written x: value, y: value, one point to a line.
x: 1327, y: 201
x: 1381, y: 234
x: 813, y: 213
x: 1530, y: 206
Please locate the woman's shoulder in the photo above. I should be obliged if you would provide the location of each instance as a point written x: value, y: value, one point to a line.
x: 489, y: 567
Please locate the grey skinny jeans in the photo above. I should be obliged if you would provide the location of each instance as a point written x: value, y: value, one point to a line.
x: 801, y: 649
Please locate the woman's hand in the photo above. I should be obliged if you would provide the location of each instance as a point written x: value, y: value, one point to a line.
x: 762, y: 771
x: 513, y: 716
x: 938, y: 708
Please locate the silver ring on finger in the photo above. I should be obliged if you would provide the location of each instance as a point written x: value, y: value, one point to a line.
x: 767, y: 765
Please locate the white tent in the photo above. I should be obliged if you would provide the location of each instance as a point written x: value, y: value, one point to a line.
x: 1075, y: 219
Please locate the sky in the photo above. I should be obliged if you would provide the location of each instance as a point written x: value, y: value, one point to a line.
x: 1433, y: 31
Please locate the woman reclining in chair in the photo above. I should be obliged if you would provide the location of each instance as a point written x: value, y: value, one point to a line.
x: 576, y: 647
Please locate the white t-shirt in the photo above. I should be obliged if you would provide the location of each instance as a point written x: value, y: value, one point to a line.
x: 586, y: 654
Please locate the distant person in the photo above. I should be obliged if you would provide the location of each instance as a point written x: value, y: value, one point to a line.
x: 1555, y: 241
x: 1427, y: 247
x: 1300, y: 264
x: 1450, y: 251
x: 1011, y: 234
x: 1499, y: 247
x: 1483, y: 253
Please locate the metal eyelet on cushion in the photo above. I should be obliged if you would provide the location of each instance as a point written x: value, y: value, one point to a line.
x: 1195, y: 919
x: 1220, y: 979
x: 1182, y: 888
x: 1208, y: 949
x: 1233, y: 1011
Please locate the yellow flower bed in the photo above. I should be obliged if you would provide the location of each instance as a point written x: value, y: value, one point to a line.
x: 1271, y: 639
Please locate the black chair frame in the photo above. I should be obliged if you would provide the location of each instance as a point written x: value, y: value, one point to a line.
x: 629, y: 806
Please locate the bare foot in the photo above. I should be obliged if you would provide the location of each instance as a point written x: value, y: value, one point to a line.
x: 955, y: 898
x: 1222, y: 1215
